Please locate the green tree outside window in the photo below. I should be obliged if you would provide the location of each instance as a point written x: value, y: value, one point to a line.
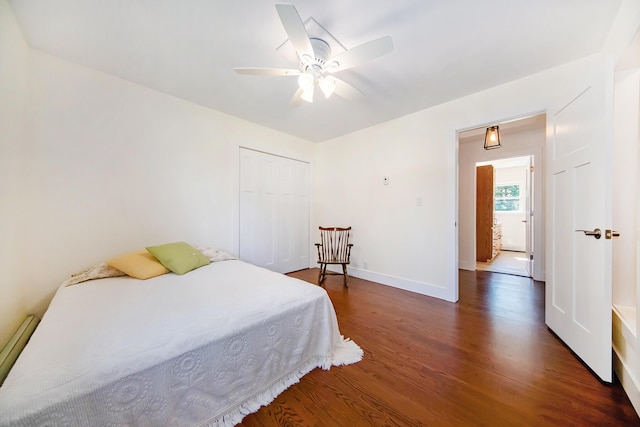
x: 507, y: 198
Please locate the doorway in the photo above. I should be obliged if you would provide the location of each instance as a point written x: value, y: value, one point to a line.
x: 510, y: 199
x: 523, y: 137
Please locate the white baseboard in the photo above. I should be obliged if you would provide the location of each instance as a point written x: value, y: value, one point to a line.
x: 467, y: 265
x: 626, y: 355
x: 512, y: 248
x: 628, y: 381
x: 422, y: 288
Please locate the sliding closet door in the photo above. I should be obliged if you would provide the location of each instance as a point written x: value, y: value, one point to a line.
x: 258, y: 208
x: 274, y: 211
x: 293, y: 216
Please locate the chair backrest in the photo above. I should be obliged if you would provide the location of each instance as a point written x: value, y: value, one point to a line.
x: 335, y: 244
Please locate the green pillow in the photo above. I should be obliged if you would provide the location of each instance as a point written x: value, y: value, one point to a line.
x: 179, y: 257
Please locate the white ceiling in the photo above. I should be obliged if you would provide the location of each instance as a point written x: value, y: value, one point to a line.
x: 444, y: 49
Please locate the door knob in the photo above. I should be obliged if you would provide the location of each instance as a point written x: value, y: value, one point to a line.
x: 595, y: 233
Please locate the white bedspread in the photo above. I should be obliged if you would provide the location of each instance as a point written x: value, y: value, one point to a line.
x: 205, y: 348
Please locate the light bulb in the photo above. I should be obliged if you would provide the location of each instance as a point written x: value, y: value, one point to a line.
x: 306, y: 81
x: 327, y: 85
x: 492, y: 138
x: 307, y: 94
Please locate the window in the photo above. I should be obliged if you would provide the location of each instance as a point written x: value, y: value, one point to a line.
x: 507, y: 198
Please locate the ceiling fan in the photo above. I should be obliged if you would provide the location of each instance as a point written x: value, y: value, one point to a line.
x: 316, y: 64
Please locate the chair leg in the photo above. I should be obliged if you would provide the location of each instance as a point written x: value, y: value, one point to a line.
x: 321, y: 274
x: 344, y: 272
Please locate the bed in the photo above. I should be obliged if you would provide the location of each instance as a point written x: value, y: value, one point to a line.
x: 204, y: 348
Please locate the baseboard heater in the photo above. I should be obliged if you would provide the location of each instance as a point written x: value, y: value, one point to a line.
x: 14, y: 347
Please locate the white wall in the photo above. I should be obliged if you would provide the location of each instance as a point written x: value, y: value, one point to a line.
x: 514, y: 230
x: 114, y: 166
x: 102, y: 166
x: 397, y: 228
x: 14, y: 57
x: 406, y: 245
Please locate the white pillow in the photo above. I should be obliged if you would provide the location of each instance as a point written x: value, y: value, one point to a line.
x: 214, y: 255
x: 97, y: 271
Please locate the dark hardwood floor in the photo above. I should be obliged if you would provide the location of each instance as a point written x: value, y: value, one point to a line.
x: 488, y: 360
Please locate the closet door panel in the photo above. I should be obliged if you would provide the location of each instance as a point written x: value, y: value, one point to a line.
x: 299, y: 225
x: 274, y: 211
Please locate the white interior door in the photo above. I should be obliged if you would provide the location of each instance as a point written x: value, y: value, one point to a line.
x: 293, y: 216
x: 274, y: 211
x: 258, y: 209
x: 578, y: 287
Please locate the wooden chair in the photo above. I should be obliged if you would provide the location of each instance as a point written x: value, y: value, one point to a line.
x: 333, y: 249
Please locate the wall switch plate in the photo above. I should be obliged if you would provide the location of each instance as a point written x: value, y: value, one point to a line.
x: 386, y: 180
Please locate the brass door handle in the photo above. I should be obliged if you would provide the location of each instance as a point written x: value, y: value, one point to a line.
x: 595, y: 233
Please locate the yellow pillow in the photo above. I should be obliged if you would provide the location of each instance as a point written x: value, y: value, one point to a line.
x: 139, y: 264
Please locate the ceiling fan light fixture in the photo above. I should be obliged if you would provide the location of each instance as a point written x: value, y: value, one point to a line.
x: 306, y: 81
x: 307, y: 94
x: 327, y: 85
x: 315, y: 60
x: 492, y: 138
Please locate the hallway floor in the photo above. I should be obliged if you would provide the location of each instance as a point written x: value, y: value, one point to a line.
x: 508, y: 262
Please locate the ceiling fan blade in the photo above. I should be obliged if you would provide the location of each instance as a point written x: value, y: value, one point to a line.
x: 294, y: 27
x: 296, y: 100
x: 363, y: 53
x: 347, y: 91
x: 268, y: 71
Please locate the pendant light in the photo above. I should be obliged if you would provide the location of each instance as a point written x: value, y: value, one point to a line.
x: 492, y: 138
